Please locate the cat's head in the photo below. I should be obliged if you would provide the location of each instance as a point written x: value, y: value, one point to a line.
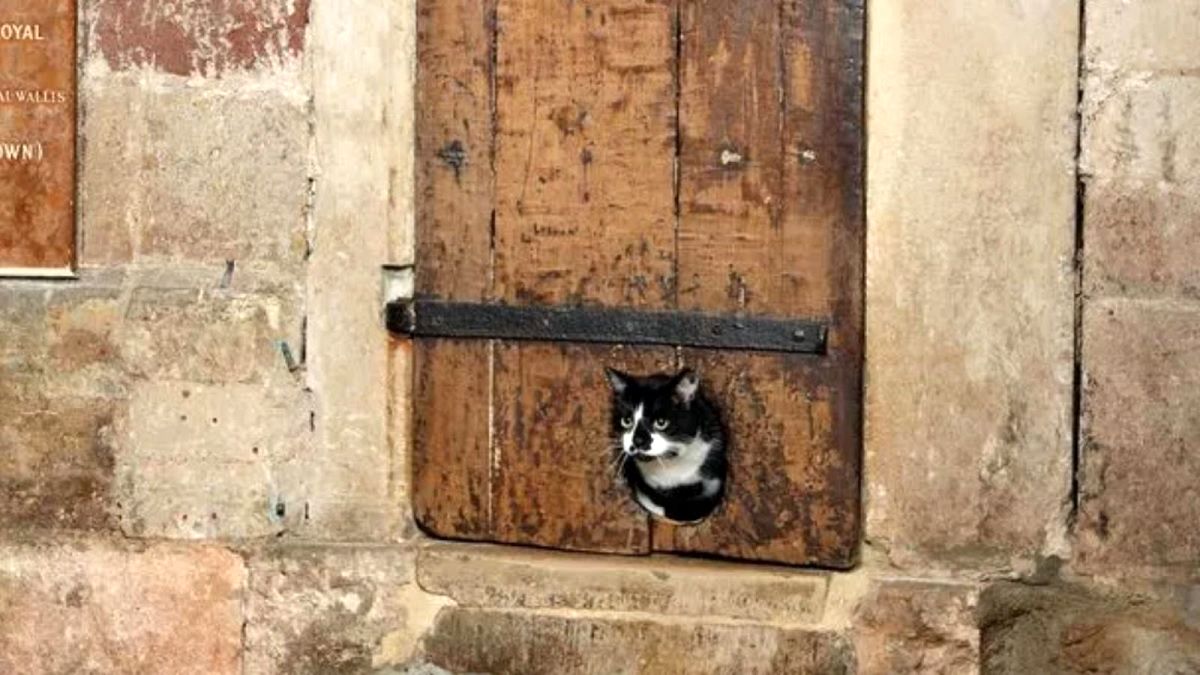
x: 656, y: 415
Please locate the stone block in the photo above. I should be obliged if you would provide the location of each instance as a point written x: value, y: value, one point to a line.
x: 207, y: 37
x: 400, y: 434
x: 78, y: 607
x: 69, y: 357
x: 917, y: 627
x: 1057, y: 630
x: 82, y: 348
x: 211, y: 336
x: 1141, y: 240
x: 362, y: 145
x: 334, y: 610
x: 56, y: 458
x: 1140, y: 499
x: 500, y: 577
x: 258, y: 439
x: 22, y: 333
x: 198, y: 461
x: 58, y: 402
x: 82, y: 326
x: 1141, y: 132
x: 1142, y: 160
x: 465, y: 640
x: 970, y: 286
x: 173, y: 174
x: 1143, y: 35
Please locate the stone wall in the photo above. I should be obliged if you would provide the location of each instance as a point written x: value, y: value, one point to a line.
x: 1140, y: 443
x: 203, y: 439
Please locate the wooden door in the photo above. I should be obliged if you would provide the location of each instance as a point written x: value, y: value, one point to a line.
x: 699, y: 156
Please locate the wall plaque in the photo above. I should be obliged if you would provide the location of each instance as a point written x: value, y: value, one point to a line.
x: 37, y: 137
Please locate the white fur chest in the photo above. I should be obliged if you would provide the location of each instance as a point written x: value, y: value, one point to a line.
x: 683, y: 469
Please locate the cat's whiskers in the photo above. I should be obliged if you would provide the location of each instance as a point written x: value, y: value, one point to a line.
x: 621, y: 463
x: 616, y: 460
x: 619, y: 455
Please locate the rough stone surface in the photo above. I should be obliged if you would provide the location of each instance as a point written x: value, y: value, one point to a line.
x: 917, y: 627
x: 83, y: 351
x: 1141, y: 157
x: 183, y: 177
x: 399, y: 416
x: 71, y: 358
x: 971, y: 198
x: 22, y: 334
x: 174, y: 173
x: 201, y: 335
x: 94, y: 379
x: 1140, y: 508
x: 56, y: 435
x: 482, y: 641
x: 198, y: 227
x: 1053, y: 630
x: 1142, y: 240
x: 179, y: 436
x: 363, y: 181
x: 1143, y: 35
x: 1141, y: 131
x: 56, y: 459
x: 490, y: 576
x: 205, y: 37
x: 333, y: 610
x: 88, y: 608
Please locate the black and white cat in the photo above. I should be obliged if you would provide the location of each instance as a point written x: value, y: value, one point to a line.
x: 670, y: 443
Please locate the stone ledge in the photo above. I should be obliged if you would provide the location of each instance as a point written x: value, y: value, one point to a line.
x: 565, y: 643
x: 480, y: 575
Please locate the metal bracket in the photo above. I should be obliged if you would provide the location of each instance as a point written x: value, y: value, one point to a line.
x: 425, y: 318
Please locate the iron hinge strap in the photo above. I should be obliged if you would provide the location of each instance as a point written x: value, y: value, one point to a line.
x: 428, y: 318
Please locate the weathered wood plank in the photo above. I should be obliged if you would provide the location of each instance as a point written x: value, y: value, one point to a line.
x: 777, y: 228
x: 771, y: 125
x: 793, y: 491
x: 451, y: 449
x: 822, y: 217
x: 731, y: 192
x: 555, y: 482
x: 454, y: 146
x: 451, y: 462
x: 584, y: 214
x: 585, y: 144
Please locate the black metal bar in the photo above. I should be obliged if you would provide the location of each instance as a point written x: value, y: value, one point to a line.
x: 425, y: 318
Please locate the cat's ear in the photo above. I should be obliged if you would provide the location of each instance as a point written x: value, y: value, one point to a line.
x: 687, y: 383
x: 617, y: 380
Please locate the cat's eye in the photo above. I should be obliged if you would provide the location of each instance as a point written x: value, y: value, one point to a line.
x: 627, y: 422
x: 660, y: 424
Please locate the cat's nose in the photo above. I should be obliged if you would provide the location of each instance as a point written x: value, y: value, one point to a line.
x: 641, y: 439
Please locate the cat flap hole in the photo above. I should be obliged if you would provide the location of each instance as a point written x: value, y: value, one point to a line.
x: 669, y: 443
